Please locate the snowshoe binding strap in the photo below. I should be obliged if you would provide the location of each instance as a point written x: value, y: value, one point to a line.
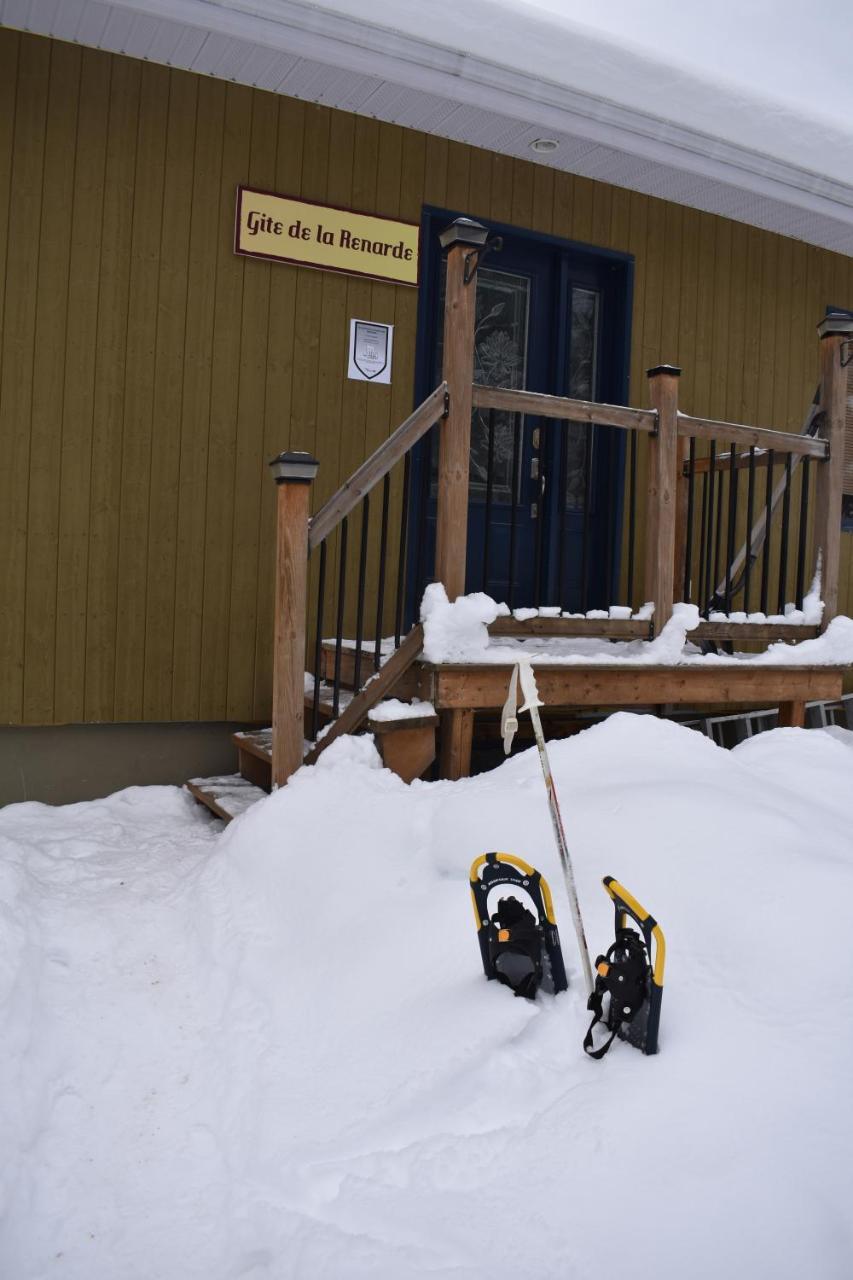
x: 623, y: 975
x: 515, y: 948
x: 519, y: 941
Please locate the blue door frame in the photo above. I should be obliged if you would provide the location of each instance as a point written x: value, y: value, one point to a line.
x: 554, y: 275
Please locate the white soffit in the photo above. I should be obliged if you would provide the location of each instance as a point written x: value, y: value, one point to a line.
x: 312, y: 53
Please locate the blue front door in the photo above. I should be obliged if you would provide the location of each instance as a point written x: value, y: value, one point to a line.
x: 550, y: 317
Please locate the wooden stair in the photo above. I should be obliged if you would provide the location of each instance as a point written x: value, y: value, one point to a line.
x: 406, y: 742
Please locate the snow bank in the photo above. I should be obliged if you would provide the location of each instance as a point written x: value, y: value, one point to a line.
x: 272, y: 1052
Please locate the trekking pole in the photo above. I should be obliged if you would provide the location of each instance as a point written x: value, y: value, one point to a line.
x: 509, y: 724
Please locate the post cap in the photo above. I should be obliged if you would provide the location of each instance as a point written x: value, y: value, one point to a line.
x: 672, y: 369
x: 294, y: 468
x: 464, y: 231
x: 835, y: 324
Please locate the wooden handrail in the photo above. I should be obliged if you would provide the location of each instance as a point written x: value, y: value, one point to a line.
x: 533, y: 402
x: 761, y: 437
x: 377, y: 465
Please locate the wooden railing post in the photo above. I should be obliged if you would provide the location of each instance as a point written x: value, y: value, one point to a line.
x: 662, y: 490
x: 293, y: 474
x: 834, y: 332
x: 462, y: 240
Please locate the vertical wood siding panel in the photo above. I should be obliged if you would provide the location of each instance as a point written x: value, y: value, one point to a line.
x: 479, y: 182
x: 458, y: 173
x: 543, y: 199
x: 705, y: 260
x: 722, y: 320
x: 171, y: 337
x: 501, y: 208
x: 224, y: 398
x: 10, y: 43
x: 249, y: 467
x: 602, y: 203
x: 86, y: 214
x: 582, y: 227
x: 657, y: 268
x: 277, y: 400
x: 435, y: 171
x: 135, y: 513
x: 765, y: 319
x: 51, y: 288
x: 736, y: 327
x: 522, y: 194
x: 687, y: 305
x: 561, y: 216
x: 17, y: 363
x: 752, y: 372
x: 205, y: 249
x: 111, y: 352
x: 670, y: 342
x: 783, y: 293
x: 801, y: 361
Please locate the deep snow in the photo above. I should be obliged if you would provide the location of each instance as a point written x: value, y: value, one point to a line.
x: 271, y: 1052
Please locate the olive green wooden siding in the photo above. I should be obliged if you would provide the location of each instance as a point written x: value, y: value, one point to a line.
x: 148, y: 373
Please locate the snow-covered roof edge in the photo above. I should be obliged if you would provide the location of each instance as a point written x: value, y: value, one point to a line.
x: 373, y: 69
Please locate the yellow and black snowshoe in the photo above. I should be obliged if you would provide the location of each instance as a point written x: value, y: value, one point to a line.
x: 516, y: 929
x: 629, y: 978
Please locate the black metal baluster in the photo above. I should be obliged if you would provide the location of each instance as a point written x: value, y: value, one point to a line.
x: 362, y: 570
x: 514, y: 501
x: 718, y: 537
x: 490, y: 489
x: 750, y: 511
x: 380, y: 586
x: 803, y: 529
x: 401, y: 558
x: 688, y: 542
x: 339, y: 629
x: 318, y: 643
x: 768, y: 515
x: 783, y: 548
x: 587, y: 518
x: 632, y: 518
x: 703, y: 539
x: 425, y: 486
x: 730, y: 544
x: 710, y: 585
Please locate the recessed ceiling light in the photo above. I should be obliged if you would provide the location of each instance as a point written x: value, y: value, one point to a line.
x: 544, y: 145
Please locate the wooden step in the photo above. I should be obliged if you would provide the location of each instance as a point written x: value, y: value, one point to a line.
x: 227, y: 796
x: 407, y: 743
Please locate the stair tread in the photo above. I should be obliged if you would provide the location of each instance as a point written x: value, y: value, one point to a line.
x: 227, y: 795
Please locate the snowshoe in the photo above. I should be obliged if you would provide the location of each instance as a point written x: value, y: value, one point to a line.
x: 516, y: 929
x: 629, y: 978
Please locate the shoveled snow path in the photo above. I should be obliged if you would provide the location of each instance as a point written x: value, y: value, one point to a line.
x: 271, y: 1053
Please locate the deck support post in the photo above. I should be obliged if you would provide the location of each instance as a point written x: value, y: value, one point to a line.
x: 836, y: 333
x: 457, y: 738
x: 293, y: 474
x: 464, y: 239
x: 662, y: 494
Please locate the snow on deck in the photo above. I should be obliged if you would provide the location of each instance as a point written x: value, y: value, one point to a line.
x: 272, y: 1052
x: 458, y: 633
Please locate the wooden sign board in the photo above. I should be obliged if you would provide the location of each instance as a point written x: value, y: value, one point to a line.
x: 283, y: 229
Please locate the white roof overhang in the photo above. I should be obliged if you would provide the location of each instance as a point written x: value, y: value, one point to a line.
x: 488, y: 98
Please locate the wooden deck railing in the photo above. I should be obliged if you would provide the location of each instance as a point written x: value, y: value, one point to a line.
x: 696, y: 515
